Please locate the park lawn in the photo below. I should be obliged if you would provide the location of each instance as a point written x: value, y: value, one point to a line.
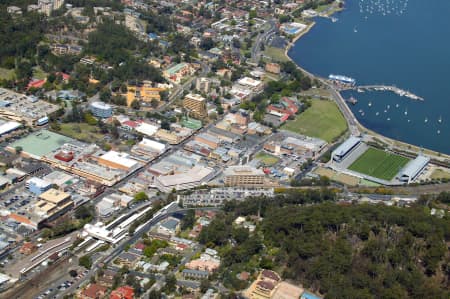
x: 378, y: 163
x: 322, y: 120
x: 277, y: 54
x: 6, y: 74
x: 87, y: 133
x: 267, y: 159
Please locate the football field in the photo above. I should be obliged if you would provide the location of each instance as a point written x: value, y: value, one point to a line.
x: 379, y: 164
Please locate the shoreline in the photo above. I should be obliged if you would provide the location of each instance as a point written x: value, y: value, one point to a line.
x: 398, y: 144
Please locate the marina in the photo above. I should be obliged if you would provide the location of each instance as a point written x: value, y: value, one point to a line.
x: 394, y: 89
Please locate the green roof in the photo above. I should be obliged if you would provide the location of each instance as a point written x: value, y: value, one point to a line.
x: 41, y: 143
x: 176, y: 68
x: 191, y: 123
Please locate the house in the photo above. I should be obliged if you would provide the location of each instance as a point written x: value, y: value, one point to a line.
x: 169, y: 227
x: 273, y: 68
x: 195, y: 274
x: 124, y: 292
x: 126, y: 259
x: 107, y: 279
x: 93, y: 291
x: 285, y: 106
x: 28, y: 248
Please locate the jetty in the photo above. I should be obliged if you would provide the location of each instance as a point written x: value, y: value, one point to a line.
x: 394, y: 89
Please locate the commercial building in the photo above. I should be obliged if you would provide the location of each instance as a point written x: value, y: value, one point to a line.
x: 38, y: 144
x: 194, y: 177
x: 177, y: 72
x: 146, y: 129
x: 118, y: 160
x: 243, y: 176
x: 150, y: 148
x: 218, y: 196
x: 52, y: 204
x: 345, y: 148
x: 196, y: 105
x: 37, y: 186
x: 21, y: 108
x: 203, y: 84
x: 252, y: 84
x: 145, y: 91
x: 8, y: 127
x: 101, y: 109
x: 412, y: 170
x: 207, y: 139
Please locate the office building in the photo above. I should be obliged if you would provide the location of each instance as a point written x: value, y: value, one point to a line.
x: 100, y: 109
x: 37, y: 186
x: 196, y: 105
x: 243, y: 176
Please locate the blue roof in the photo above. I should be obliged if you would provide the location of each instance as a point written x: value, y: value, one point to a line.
x: 152, y: 35
x: 346, y: 146
x: 308, y: 295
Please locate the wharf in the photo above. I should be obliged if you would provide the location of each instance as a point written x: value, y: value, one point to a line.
x: 394, y: 89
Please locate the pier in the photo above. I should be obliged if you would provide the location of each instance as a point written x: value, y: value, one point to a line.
x: 394, y: 89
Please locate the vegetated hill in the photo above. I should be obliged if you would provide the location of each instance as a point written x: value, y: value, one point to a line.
x: 356, y: 251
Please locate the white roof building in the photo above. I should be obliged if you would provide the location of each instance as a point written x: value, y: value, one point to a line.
x: 147, y: 129
x: 192, y: 178
x: 253, y: 84
x: 413, y: 168
x: 153, y: 145
x: 118, y: 160
x: 9, y: 127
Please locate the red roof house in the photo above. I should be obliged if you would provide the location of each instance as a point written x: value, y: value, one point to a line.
x: 125, y: 292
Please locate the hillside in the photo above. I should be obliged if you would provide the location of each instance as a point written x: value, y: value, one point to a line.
x: 357, y: 251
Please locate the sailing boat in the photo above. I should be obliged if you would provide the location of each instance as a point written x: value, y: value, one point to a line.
x: 426, y: 119
x: 406, y: 111
x: 440, y: 119
x: 370, y: 104
x: 355, y: 30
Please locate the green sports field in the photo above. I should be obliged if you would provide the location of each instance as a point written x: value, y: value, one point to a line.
x: 379, y: 164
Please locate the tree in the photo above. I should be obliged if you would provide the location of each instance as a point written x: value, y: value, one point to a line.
x: 85, y: 261
x: 135, y: 105
x: 141, y: 196
x: 165, y: 125
x: 188, y: 220
x: 18, y: 149
x: 154, y: 295
x: 73, y: 273
x: 171, y: 283
x: 206, y: 44
x: 154, y: 103
x: 204, y: 285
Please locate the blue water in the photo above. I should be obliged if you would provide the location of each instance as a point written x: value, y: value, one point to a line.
x: 402, y: 43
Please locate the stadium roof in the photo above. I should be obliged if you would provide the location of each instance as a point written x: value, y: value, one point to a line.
x: 414, y: 167
x: 342, y: 149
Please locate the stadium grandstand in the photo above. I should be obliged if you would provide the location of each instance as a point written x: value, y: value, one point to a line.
x: 345, y: 148
x: 413, y: 169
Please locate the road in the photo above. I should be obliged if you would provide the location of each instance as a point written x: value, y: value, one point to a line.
x: 261, y: 38
x: 179, y: 89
